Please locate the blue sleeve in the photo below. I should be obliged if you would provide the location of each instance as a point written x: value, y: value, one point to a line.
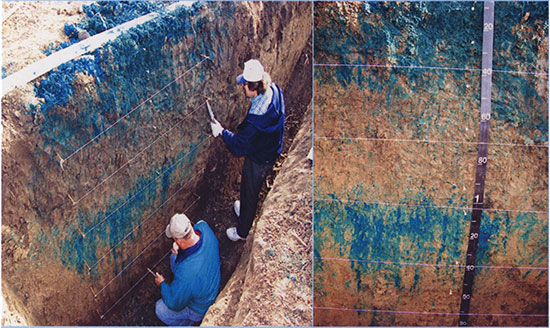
x: 240, y: 144
x: 175, y: 295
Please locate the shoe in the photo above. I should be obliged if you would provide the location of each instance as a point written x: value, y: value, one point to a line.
x: 237, y: 207
x: 233, y: 235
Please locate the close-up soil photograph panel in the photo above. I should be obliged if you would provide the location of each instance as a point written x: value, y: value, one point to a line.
x: 155, y: 166
x: 431, y: 163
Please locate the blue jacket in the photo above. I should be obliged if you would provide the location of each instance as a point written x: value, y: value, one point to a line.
x: 260, y: 137
x: 196, y: 278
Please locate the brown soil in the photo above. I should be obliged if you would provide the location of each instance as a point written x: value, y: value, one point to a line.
x: 218, y: 191
x: 275, y: 269
x: 39, y: 24
x: 217, y: 188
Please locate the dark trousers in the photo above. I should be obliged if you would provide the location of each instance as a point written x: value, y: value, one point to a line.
x: 253, y: 176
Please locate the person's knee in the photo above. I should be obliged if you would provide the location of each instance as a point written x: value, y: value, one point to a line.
x: 160, y: 309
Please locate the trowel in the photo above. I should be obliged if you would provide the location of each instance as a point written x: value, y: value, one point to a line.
x: 210, y: 111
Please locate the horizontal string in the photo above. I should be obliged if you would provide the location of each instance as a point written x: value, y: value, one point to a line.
x: 431, y: 141
x: 426, y: 206
x: 431, y: 313
x: 135, y: 108
x: 142, y: 222
x: 133, y: 158
x: 427, y: 68
x: 139, y: 192
x: 431, y: 264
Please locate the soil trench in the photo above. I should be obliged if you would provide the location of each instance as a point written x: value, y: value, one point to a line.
x: 218, y: 190
x: 77, y: 238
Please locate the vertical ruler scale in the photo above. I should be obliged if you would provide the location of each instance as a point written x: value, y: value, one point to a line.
x: 485, y: 117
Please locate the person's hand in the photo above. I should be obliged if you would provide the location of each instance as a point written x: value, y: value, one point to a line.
x: 175, y: 248
x: 217, y: 128
x: 158, y: 278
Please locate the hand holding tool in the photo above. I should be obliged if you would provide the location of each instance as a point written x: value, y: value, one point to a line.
x: 217, y: 128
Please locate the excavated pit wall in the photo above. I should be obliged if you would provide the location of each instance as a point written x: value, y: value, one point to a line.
x: 379, y: 258
x: 109, y: 202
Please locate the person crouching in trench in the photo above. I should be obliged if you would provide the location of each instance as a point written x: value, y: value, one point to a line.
x: 195, y: 263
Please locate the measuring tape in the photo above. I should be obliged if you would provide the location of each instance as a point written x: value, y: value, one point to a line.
x: 481, y: 168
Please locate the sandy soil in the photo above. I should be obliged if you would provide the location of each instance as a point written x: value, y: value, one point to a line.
x: 218, y: 194
x: 220, y: 183
x: 39, y: 24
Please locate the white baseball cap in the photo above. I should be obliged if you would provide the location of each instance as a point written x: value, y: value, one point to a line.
x: 253, y: 72
x: 179, y: 226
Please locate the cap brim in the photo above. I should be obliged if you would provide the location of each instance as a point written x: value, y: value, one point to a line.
x: 167, y: 231
x: 240, y: 79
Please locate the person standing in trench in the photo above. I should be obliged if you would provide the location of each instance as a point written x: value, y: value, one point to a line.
x: 259, y: 139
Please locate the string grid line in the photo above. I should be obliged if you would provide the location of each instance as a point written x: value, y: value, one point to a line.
x: 150, y: 216
x: 133, y: 158
x: 134, y: 109
x: 431, y: 264
x: 430, y: 141
x: 544, y: 74
x: 432, y: 313
x: 139, y: 192
x: 427, y: 206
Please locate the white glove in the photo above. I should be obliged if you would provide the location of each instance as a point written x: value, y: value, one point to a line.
x: 217, y: 128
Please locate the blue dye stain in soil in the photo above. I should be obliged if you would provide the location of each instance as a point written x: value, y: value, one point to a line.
x: 119, y: 69
x: 123, y: 215
x: 378, y: 233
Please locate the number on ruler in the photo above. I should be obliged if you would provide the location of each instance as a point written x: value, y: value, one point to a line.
x: 487, y: 27
x: 466, y: 296
x: 474, y: 235
x: 485, y: 117
x: 470, y: 268
x: 486, y: 71
x: 477, y: 198
x: 481, y: 160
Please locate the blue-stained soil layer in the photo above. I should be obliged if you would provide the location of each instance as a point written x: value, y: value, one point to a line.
x: 123, y: 74
x: 379, y: 232
x: 104, y: 15
x: 353, y: 238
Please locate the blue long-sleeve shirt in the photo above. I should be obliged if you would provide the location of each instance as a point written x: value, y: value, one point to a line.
x: 260, y: 136
x: 197, y: 277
